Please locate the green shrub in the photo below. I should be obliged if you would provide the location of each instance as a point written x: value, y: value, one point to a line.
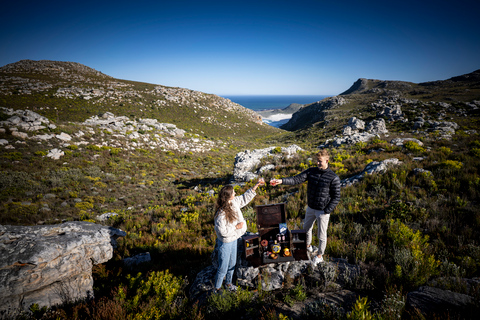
x: 72, y: 147
x: 151, y: 298
x: 412, y: 146
x: 84, y: 205
x: 361, y: 310
x: 14, y: 156
x: 115, y: 151
x: 452, y: 164
x: 475, y: 152
x: 445, y: 150
x: 93, y: 147
x: 276, y: 150
x: 413, y: 263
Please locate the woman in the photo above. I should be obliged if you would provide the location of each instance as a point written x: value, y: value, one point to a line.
x: 229, y: 226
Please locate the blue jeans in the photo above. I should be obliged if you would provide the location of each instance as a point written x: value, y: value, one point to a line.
x: 227, y: 259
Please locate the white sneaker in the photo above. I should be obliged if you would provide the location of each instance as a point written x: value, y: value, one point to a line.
x: 310, y: 249
x: 316, y: 260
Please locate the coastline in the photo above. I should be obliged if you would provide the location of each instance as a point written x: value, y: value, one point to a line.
x: 277, y: 117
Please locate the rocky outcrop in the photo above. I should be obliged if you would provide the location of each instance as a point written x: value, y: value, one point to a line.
x: 25, y: 120
x: 313, y: 113
x: 401, y: 141
x: 49, y: 265
x: 113, y: 131
x: 434, y: 302
x: 351, y: 132
x: 247, y: 162
x: 333, y: 273
x: 371, y: 168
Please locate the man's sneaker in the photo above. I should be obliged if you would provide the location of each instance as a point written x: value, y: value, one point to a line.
x: 232, y: 288
x: 310, y: 249
x: 316, y: 260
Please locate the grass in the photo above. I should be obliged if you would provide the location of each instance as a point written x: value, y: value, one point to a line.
x: 163, y: 199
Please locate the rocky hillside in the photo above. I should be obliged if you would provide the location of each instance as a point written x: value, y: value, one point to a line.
x: 69, y: 91
x: 365, y: 95
x: 77, y: 145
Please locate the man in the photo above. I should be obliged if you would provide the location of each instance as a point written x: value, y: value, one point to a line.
x: 323, y: 195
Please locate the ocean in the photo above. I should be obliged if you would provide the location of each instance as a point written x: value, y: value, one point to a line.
x: 270, y: 102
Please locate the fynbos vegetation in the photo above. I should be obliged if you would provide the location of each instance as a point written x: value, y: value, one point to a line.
x: 414, y: 225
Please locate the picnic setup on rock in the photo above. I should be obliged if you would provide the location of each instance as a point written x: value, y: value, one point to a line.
x: 274, y: 242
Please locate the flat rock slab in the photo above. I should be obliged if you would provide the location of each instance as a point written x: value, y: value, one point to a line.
x: 51, y: 264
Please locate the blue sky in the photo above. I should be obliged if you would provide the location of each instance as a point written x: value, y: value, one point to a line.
x: 291, y: 47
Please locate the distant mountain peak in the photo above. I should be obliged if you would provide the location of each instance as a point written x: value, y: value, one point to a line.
x: 358, y: 86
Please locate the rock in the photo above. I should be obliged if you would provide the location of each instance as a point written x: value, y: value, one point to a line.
x: 432, y: 301
x: 352, y: 139
x: 356, y: 124
x: 104, y: 217
x: 246, y: 162
x: 21, y: 135
x: 401, y: 141
x: 64, y: 137
x: 26, y: 120
x: 371, y: 168
x: 135, y: 260
x: 51, y: 264
x: 348, y: 131
x: 377, y: 127
x: 203, y: 285
x: 392, y: 112
x: 419, y: 122
x: 445, y: 128
x: 267, y: 167
x: 55, y: 154
x: 3, y: 142
x: 418, y: 171
x: 43, y: 137
x: 353, y: 126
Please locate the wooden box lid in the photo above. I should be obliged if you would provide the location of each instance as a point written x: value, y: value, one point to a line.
x: 270, y: 215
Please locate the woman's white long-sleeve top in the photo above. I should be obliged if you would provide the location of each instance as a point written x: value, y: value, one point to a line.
x: 226, y: 231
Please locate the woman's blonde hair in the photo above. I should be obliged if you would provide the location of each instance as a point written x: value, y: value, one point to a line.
x: 223, y: 204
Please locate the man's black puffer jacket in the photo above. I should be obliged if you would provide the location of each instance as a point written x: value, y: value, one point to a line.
x: 323, y: 189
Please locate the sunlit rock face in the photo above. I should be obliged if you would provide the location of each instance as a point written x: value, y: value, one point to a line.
x: 51, y: 264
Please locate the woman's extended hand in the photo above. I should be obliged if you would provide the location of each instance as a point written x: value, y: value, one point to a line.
x: 260, y: 182
x: 239, y: 225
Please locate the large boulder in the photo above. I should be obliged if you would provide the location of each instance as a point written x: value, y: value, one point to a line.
x: 436, y: 302
x: 371, y: 168
x: 246, y: 166
x: 51, y: 264
x: 377, y: 126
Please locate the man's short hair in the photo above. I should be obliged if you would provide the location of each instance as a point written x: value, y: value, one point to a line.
x: 323, y: 154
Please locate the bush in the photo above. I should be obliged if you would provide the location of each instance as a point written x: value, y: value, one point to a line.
x: 452, y: 164
x: 151, y: 298
x: 412, y: 146
x: 413, y: 263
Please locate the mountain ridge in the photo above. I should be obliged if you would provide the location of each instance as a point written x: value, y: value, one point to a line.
x: 70, y: 91
x: 365, y: 92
